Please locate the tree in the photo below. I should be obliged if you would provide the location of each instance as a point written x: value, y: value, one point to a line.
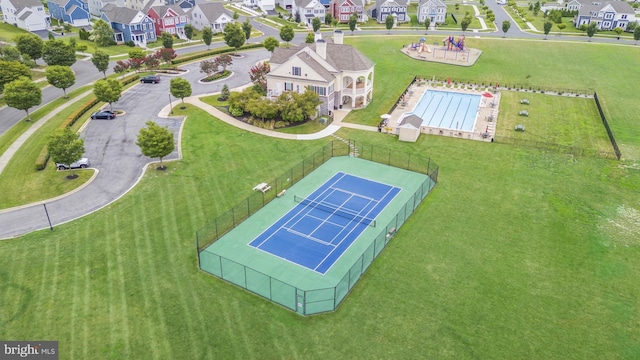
x: 618, y: 31
x: 57, y: 52
x: 270, y: 43
x: 30, y: 44
x: 235, y: 15
x: 547, y: 28
x: 427, y: 23
x: 12, y: 70
x: 167, y: 40
x: 155, y: 141
x: 328, y: 19
x: 353, y: 21
x: 102, y: 34
x: 592, y: 29
x: 61, y: 77
x: 316, y: 23
x: 286, y: 33
x: 180, y: 88
x: 121, y: 67
x: 561, y: 26
x: 207, y: 35
x: 297, y: 17
x: 310, y: 38
x: 108, y: 90
x: 10, y: 53
x: 208, y: 67
x: 136, y: 59
x: 258, y: 74
x: 583, y: 27
x: 224, y: 93
x: 262, y: 108
x: 388, y: 22
x: 505, y: 27
x: 636, y: 34
x: 466, y: 21
x: 224, y: 60
x: 22, y: 94
x: 151, y: 61
x: 65, y: 146
x: 189, y: 31
x: 234, y: 35
x: 166, y: 54
x: 246, y: 27
x: 101, y: 61
x: 296, y: 107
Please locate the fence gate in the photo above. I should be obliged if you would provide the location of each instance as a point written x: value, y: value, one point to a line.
x: 300, y: 306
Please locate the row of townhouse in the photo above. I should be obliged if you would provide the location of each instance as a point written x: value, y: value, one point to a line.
x: 434, y: 10
x: 608, y: 15
x: 129, y: 23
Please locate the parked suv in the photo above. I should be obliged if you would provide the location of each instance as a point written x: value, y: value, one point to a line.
x: 154, y: 79
x: 82, y: 163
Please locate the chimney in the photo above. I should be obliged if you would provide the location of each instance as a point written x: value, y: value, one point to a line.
x: 321, y: 48
x: 337, y: 37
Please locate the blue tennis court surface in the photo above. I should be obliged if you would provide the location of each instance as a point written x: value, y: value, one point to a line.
x: 322, y: 226
x: 449, y: 110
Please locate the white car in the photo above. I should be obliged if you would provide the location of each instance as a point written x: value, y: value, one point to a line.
x: 82, y: 164
x: 502, y: 2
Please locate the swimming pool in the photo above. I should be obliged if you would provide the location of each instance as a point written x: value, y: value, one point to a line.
x: 447, y: 110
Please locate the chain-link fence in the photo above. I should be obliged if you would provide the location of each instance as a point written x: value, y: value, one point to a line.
x: 309, y: 301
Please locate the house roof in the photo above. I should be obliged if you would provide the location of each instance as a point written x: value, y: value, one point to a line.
x: 212, y: 11
x: 586, y: 7
x: 60, y: 3
x: 303, y: 3
x: 432, y: 2
x: 413, y: 120
x: 391, y: 2
x: 122, y: 15
x: 25, y: 15
x: 316, y: 66
x: 341, y: 56
x: 21, y: 4
x: 161, y: 10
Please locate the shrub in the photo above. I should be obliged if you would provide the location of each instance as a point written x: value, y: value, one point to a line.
x: 130, y: 43
x: 235, y: 111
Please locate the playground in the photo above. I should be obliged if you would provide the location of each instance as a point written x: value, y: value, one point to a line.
x: 451, y: 50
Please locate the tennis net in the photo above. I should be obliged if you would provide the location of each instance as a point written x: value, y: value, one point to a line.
x: 335, y: 210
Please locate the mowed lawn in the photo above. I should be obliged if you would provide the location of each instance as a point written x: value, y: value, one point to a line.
x: 545, y: 64
x: 517, y: 254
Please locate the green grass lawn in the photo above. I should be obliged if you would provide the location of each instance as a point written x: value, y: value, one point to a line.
x: 8, y: 32
x: 513, y: 256
x: 517, y: 254
x: 505, y: 61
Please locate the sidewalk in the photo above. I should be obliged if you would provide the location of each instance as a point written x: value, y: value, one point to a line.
x: 13, y: 148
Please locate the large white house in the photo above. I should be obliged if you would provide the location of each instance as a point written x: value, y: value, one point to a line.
x: 309, y: 9
x: 212, y: 15
x: 25, y: 14
x: 608, y: 14
x: 264, y: 5
x: 338, y: 73
x: 434, y: 10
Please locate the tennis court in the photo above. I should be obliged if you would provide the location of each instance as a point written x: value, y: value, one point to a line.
x: 317, y: 231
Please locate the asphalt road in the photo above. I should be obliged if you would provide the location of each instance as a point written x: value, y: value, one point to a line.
x: 110, y: 144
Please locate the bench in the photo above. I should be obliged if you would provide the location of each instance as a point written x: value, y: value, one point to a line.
x: 523, y: 113
x: 281, y: 193
x: 524, y: 101
x: 262, y: 187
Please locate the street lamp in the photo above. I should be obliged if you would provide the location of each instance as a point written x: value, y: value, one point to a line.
x: 170, y: 107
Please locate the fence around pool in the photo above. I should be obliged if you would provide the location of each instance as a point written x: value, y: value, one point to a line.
x: 303, y: 300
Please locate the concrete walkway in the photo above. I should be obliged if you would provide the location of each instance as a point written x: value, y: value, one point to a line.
x: 480, y: 19
x: 13, y: 148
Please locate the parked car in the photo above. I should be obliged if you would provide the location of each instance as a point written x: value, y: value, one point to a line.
x: 154, y: 79
x: 105, y: 114
x: 82, y: 164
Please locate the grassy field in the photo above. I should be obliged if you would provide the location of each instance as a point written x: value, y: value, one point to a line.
x: 8, y: 32
x: 517, y: 254
x: 506, y: 61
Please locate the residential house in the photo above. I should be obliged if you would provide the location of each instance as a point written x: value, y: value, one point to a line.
x: 342, y: 10
x: 572, y: 5
x: 434, y: 10
x: 285, y: 4
x: 264, y: 5
x: 308, y: 9
x: 95, y: 6
x: 184, y: 4
x: 395, y: 8
x: 25, y: 14
x: 171, y: 19
x: 212, y: 15
x: 129, y: 25
x: 74, y: 12
x: 341, y: 75
x: 608, y: 15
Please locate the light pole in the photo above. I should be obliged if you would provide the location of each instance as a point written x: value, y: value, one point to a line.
x: 170, y: 106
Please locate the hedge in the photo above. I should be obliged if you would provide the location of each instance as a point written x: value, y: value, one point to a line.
x: 213, y: 52
x: 43, y: 158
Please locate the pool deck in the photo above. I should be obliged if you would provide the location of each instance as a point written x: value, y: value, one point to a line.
x: 488, y: 111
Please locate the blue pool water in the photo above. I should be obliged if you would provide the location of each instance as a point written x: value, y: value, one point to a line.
x: 448, y: 110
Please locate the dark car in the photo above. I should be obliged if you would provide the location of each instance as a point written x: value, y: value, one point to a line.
x: 80, y: 164
x: 154, y: 79
x: 105, y: 114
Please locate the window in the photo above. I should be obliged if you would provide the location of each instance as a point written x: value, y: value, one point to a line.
x: 296, y: 71
x: 624, y: 17
x: 344, y: 17
x: 288, y: 86
x: 331, y: 89
x: 608, y: 16
x: 322, y: 91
